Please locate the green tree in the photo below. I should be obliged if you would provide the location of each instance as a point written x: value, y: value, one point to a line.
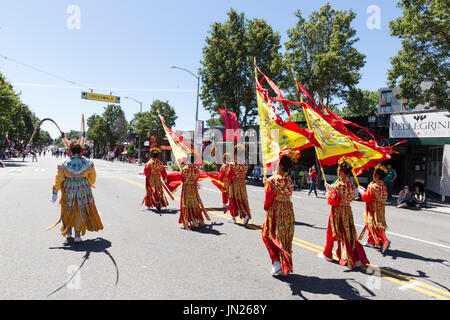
x: 214, y: 122
x: 227, y: 70
x: 98, y: 132
x: 132, y: 151
x: 423, y: 58
x: 146, y: 124
x: 321, y: 51
x: 117, y: 123
x: 360, y: 103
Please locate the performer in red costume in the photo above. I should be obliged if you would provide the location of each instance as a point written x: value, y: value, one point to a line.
x: 374, y: 217
x: 237, y: 190
x: 278, y: 228
x: 341, y: 227
x: 191, y: 207
x: 154, y: 170
x: 224, y: 179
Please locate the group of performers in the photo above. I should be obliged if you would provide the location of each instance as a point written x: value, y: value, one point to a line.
x: 76, y: 177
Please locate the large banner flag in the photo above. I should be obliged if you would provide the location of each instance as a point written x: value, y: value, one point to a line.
x: 334, y: 144
x: 231, y: 122
x: 368, y: 154
x: 180, y: 148
x: 276, y: 134
x: 371, y: 151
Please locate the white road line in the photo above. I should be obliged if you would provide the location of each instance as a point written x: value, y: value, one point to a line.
x: 411, y: 238
x: 408, y: 286
x: 203, y: 188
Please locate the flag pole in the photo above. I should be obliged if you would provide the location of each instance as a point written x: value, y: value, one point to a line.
x: 353, y: 172
x: 309, y: 125
x: 256, y: 79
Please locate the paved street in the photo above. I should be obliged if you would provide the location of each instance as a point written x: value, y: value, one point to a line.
x: 145, y: 255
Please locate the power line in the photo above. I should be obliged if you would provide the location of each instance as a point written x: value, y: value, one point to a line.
x: 42, y: 71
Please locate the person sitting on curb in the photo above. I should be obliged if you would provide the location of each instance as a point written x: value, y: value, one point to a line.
x: 404, y: 198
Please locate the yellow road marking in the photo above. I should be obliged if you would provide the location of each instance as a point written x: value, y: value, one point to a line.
x: 316, y: 248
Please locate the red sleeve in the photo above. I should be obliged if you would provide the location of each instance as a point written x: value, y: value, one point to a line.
x: 270, y: 196
x: 146, y: 170
x: 367, y: 196
x: 221, y: 173
x: 163, y: 172
x: 230, y: 173
x: 333, y: 198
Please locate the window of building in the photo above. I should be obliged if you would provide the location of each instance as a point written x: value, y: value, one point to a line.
x: 386, y: 98
x: 435, y: 162
x: 384, y: 109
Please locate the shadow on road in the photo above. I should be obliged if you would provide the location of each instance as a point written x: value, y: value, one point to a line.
x: 208, y: 229
x: 395, y: 253
x: 338, y: 287
x: 98, y: 245
x: 308, y: 225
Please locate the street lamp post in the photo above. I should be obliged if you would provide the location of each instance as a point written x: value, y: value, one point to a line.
x: 139, y: 143
x: 196, y: 108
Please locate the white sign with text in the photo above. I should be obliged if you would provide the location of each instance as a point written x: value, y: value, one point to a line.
x: 420, y: 125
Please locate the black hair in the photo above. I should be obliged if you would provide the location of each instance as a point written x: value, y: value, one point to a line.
x: 286, y: 163
x: 346, y: 168
x: 76, y: 149
x: 155, y: 154
x: 192, y: 158
x: 381, y: 174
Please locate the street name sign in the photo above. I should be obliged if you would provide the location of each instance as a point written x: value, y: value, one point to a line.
x: 100, y: 97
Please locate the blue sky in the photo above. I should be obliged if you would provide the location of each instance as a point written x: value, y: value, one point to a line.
x: 127, y: 47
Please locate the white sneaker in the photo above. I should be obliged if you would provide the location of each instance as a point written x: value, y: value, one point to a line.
x: 321, y: 256
x: 69, y: 235
x: 77, y: 240
x: 232, y: 220
x: 246, y: 220
x: 385, y: 247
x: 366, y: 244
x: 148, y: 208
x: 276, y: 268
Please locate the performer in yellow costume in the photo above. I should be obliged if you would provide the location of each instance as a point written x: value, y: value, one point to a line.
x: 278, y: 228
x: 75, y: 178
x: 237, y: 189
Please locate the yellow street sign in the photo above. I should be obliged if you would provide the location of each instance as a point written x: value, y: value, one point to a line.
x: 99, y: 97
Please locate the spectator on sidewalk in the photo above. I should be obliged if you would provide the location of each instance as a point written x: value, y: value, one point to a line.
x: 405, y: 199
x: 312, y: 178
x: 391, y: 176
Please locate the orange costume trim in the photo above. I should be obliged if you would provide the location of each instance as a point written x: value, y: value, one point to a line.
x: 278, y: 228
x: 341, y: 227
x: 154, y: 170
x: 374, y: 217
x: 237, y: 190
x: 191, y: 207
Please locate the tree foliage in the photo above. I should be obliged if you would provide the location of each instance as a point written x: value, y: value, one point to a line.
x: 227, y: 70
x: 423, y: 58
x: 321, y: 51
x: 117, y: 124
x: 360, y: 103
x: 147, y: 124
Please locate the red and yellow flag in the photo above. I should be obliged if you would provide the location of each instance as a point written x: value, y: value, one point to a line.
x: 334, y: 144
x: 276, y: 134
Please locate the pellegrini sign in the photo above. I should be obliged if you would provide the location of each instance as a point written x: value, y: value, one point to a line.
x: 420, y: 125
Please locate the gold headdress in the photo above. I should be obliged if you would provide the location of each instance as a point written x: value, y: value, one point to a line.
x: 155, y: 148
x: 380, y: 167
x: 293, y: 154
x: 342, y: 160
x: 239, y: 146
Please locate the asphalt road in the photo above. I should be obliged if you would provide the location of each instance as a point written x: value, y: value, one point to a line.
x: 145, y: 255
